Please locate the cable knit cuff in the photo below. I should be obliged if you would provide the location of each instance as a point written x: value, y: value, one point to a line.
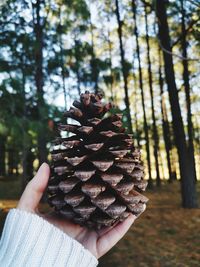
x: 29, y: 240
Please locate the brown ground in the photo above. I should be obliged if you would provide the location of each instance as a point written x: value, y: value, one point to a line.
x: 165, y: 235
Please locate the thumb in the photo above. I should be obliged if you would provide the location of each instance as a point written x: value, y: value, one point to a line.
x: 35, y: 189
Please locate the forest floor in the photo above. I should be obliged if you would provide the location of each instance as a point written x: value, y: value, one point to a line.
x: 164, y: 236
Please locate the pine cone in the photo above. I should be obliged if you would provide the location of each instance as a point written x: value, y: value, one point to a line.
x: 96, y: 173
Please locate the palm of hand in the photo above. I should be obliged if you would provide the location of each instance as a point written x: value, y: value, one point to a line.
x: 98, y: 242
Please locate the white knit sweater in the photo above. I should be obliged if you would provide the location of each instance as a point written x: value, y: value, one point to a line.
x: 30, y: 241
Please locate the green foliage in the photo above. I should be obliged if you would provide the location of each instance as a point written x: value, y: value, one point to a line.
x: 80, y: 51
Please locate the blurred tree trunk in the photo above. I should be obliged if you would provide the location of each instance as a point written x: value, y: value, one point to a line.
x: 161, y: 165
x: 155, y: 130
x: 145, y: 125
x: 165, y: 123
x: 39, y: 79
x: 3, y: 155
x: 197, y: 135
x: 189, y: 197
x: 27, y: 168
x: 77, y: 53
x: 123, y: 64
x: 94, y: 67
x: 17, y: 170
x: 63, y: 72
x: 136, y: 111
x: 187, y: 89
x: 110, y: 63
x: 10, y: 161
x: 27, y: 165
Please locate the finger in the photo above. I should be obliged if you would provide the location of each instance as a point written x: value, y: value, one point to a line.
x: 110, y: 238
x: 35, y: 189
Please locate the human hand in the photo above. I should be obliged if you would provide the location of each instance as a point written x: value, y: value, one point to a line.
x: 98, y: 242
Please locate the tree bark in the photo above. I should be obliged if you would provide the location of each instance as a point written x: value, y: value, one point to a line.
x: 110, y: 63
x: 161, y: 165
x: 155, y: 130
x: 27, y: 165
x: 189, y: 197
x: 62, y: 57
x: 3, y: 155
x: 94, y: 67
x: 136, y: 112
x: 165, y: 122
x: 10, y: 161
x: 39, y: 80
x: 187, y: 90
x: 197, y: 135
x: 123, y: 64
x: 25, y: 127
x: 145, y: 125
x: 77, y: 65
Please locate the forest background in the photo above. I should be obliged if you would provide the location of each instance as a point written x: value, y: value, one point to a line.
x: 145, y: 56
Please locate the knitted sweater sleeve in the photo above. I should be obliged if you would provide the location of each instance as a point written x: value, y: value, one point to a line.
x: 30, y: 241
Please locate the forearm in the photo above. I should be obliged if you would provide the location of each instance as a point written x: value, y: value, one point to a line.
x: 29, y: 240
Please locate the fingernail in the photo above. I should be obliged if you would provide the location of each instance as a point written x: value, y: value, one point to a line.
x: 44, y: 165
